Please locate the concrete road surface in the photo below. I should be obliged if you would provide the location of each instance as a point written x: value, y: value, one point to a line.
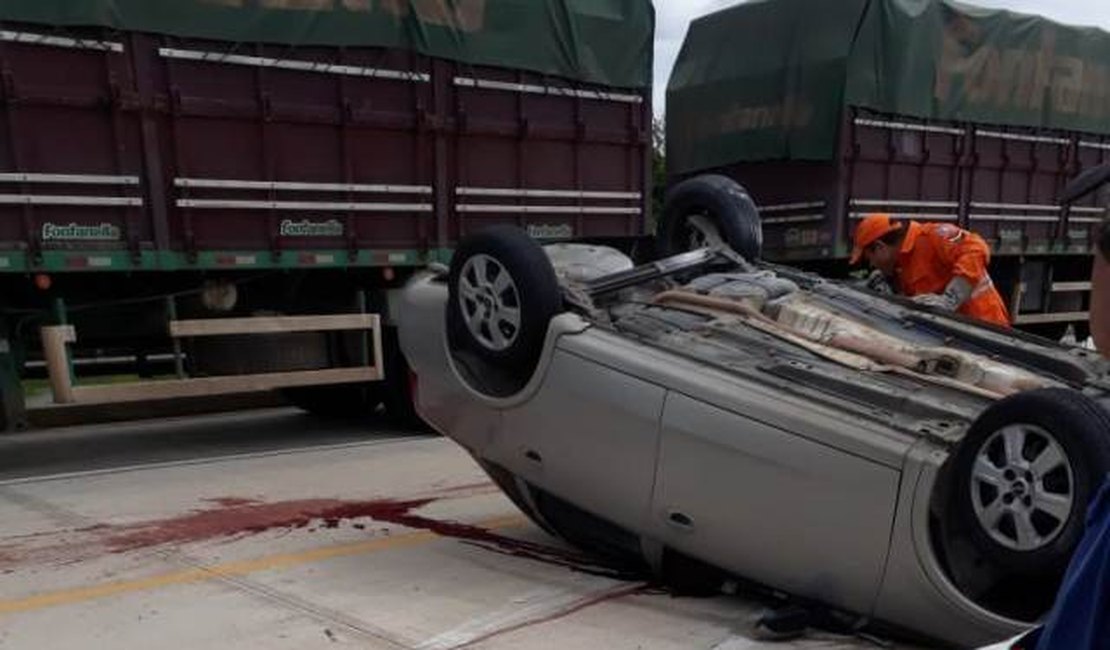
x: 276, y: 530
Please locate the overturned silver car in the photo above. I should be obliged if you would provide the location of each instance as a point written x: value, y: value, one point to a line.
x: 705, y: 410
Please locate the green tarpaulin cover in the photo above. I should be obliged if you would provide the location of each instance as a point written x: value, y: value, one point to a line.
x: 770, y: 79
x: 606, y: 42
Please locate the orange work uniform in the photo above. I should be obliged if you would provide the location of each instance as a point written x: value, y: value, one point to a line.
x: 933, y: 254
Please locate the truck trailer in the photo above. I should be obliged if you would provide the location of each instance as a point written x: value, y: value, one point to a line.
x: 238, y: 185
x: 929, y: 110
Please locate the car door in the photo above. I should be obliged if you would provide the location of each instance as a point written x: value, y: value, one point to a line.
x: 786, y: 510
x: 590, y: 433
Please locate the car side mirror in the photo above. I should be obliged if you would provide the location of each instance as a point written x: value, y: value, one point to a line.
x: 1085, y: 183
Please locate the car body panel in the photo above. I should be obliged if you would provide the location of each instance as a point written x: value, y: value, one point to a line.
x: 600, y: 452
x: 779, y: 401
x: 440, y: 398
x: 915, y: 593
x: 814, y: 501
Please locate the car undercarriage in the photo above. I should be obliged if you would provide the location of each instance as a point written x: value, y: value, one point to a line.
x: 729, y: 313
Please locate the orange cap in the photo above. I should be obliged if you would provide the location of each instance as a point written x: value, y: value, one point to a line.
x: 871, y: 230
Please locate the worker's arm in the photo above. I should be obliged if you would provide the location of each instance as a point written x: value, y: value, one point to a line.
x: 966, y: 253
x: 967, y: 256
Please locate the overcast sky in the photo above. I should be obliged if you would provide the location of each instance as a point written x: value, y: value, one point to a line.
x: 673, y: 16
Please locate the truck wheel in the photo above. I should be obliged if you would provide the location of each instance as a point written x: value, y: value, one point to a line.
x: 345, y: 401
x: 397, y: 387
x: 1025, y: 475
x: 710, y: 209
x: 287, y: 352
x: 244, y: 354
x: 357, y: 401
x: 503, y: 293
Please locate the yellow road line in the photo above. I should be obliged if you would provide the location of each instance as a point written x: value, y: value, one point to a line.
x: 241, y: 568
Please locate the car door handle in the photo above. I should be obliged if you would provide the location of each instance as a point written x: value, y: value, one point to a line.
x: 680, y: 520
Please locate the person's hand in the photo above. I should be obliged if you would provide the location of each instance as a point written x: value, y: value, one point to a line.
x: 936, y: 301
x: 878, y: 282
x: 955, y: 295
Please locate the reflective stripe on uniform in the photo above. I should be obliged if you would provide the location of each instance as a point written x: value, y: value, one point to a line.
x: 984, y: 286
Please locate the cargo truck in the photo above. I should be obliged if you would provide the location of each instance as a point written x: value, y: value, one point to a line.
x: 238, y: 185
x: 927, y: 110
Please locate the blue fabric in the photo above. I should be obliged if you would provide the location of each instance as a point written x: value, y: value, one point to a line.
x: 1080, y: 620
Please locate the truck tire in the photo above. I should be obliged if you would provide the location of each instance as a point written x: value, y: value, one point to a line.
x: 341, y: 401
x: 1025, y: 475
x: 706, y: 209
x: 360, y: 401
x: 248, y: 354
x: 503, y: 293
x: 396, y: 389
x: 287, y: 352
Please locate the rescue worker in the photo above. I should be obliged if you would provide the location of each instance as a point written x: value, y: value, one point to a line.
x: 935, y: 264
x: 1100, y: 293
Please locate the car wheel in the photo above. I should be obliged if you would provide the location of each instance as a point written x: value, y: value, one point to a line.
x: 1025, y: 475
x: 503, y: 293
x: 706, y: 210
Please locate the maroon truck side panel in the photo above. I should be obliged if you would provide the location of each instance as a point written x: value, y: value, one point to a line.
x: 1001, y: 182
x: 163, y: 144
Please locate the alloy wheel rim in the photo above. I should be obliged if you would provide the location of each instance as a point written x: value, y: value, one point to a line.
x: 490, y: 302
x: 1022, y: 487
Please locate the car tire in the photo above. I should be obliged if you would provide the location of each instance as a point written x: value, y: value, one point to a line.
x: 503, y: 293
x: 1025, y: 475
x: 706, y: 208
